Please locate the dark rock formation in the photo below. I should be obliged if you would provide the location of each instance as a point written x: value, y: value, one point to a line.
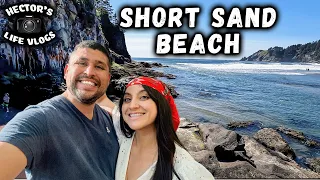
x: 115, y: 37
x: 237, y: 124
x: 28, y: 90
x: 309, y: 52
x: 295, y: 134
x: 122, y: 74
x: 299, y: 136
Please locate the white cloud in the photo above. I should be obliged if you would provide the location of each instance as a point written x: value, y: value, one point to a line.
x: 140, y: 45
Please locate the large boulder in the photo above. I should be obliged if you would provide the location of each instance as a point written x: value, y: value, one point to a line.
x: 239, y: 169
x: 215, y: 135
x: 226, y: 154
x: 314, y: 164
x: 227, y: 145
x: 188, y: 133
x: 208, y: 159
x: 273, y: 140
x: 272, y: 165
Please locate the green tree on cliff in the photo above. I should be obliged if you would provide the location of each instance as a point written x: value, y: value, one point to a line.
x: 104, y: 7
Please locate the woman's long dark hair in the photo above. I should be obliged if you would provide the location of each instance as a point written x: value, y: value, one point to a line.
x: 166, y: 136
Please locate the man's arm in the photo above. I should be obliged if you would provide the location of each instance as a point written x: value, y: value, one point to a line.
x: 105, y: 103
x: 12, y: 161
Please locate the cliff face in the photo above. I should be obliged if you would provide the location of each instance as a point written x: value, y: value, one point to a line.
x: 72, y: 22
x: 309, y: 52
x: 116, y: 40
x: 35, y: 73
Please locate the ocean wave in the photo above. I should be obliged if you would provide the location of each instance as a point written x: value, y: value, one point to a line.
x: 258, y: 68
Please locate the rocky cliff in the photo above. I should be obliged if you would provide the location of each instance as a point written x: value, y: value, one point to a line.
x: 309, y: 53
x: 115, y: 37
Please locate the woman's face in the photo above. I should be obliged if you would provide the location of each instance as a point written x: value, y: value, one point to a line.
x: 139, y: 111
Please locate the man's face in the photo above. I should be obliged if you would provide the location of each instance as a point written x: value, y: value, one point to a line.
x: 87, y: 75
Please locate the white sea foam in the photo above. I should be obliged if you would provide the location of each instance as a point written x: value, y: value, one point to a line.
x: 269, y: 68
x: 149, y: 61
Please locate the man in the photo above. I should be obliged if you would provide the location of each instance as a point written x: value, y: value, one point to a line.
x: 6, y: 99
x: 67, y: 136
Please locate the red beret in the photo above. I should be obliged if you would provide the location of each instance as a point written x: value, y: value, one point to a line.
x: 162, y: 88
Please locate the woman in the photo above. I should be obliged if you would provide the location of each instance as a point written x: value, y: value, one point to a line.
x: 149, y: 146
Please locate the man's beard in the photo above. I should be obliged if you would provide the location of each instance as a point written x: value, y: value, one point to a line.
x: 87, y: 99
x: 82, y: 96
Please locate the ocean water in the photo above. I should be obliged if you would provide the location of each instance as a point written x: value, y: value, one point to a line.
x: 271, y: 94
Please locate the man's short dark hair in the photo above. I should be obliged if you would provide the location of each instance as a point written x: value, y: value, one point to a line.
x: 95, y: 46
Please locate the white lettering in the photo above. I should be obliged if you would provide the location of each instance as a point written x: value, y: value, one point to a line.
x: 163, y: 43
x: 265, y: 22
x: 235, y: 43
x: 235, y: 18
x: 197, y: 45
x: 252, y: 17
x: 192, y: 16
x: 175, y: 15
x: 216, y: 14
x: 155, y: 17
x: 28, y: 8
x: 13, y: 38
x: 211, y: 42
x: 177, y: 43
x: 142, y: 17
x: 125, y: 15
